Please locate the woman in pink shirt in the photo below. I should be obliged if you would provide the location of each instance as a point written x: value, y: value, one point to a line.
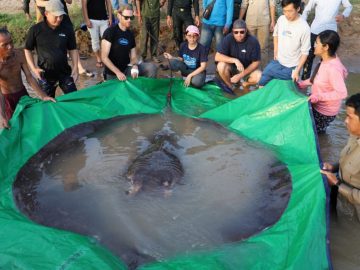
x: 327, y: 82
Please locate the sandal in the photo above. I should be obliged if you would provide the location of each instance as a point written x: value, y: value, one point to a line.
x: 99, y: 64
x: 87, y: 73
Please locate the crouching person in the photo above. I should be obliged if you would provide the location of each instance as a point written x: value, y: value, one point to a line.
x: 238, y: 58
x: 118, y: 50
x: 193, y: 59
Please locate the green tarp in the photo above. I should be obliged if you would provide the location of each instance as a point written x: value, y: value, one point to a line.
x: 277, y: 116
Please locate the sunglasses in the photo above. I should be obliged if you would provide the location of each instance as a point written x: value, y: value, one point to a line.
x: 239, y: 32
x: 128, y: 17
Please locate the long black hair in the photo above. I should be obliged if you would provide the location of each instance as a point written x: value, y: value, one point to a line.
x: 330, y: 38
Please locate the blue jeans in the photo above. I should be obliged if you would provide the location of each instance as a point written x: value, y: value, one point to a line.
x: 197, y: 81
x: 208, y: 32
x: 275, y: 70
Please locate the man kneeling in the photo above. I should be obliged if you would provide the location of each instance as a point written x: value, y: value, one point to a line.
x: 118, y: 50
x: 238, y: 57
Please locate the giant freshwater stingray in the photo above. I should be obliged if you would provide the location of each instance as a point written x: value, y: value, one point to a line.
x: 156, y: 166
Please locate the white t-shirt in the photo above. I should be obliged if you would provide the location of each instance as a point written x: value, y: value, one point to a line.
x: 293, y: 40
x: 325, y: 13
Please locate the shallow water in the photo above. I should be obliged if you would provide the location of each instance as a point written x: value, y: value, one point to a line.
x: 224, y: 195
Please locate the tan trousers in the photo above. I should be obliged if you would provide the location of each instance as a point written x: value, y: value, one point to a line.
x: 262, y: 34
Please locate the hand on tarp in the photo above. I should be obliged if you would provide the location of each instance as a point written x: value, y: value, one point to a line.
x: 187, y: 81
x: 47, y: 98
x: 4, y: 123
x: 331, y: 177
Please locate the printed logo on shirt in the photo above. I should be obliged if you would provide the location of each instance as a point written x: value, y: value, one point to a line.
x: 123, y: 41
x: 189, y: 61
x: 243, y: 51
x: 287, y: 33
x: 62, y: 35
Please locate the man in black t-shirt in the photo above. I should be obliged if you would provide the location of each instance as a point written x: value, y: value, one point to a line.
x: 119, y: 53
x: 239, y: 57
x: 52, y: 39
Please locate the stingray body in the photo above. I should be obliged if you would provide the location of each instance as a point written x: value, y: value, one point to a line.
x: 155, y: 167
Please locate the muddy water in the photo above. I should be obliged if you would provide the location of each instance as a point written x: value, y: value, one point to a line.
x: 224, y: 195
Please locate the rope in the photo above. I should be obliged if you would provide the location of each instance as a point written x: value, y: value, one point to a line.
x: 161, y: 50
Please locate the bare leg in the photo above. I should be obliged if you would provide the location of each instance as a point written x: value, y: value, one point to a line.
x: 98, y: 58
x: 253, y: 79
x: 224, y: 72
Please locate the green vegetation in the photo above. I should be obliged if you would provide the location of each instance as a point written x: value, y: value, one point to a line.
x: 19, y: 26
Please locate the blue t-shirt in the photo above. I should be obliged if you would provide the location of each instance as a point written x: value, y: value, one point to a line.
x: 193, y: 58
x: 247, y: 51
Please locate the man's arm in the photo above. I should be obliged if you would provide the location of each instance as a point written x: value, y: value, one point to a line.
x: 109, y: 11
x: 162, y: 3
x: 32, y: 82
x: 229, y: 15
x: 30, y: 61
x: 74, y: 59
x: 304, y: 48
x: 272, y: 15
x: 295, y: 73
x: 133, y: 62
x: 105, y: 50
x: 85, y: 13
x: 253, y: 66
x: 197, y: 12
x: 138, y: 7
x: 244, y: 6
x: 276, y: 40
x: 219, y: 57
x: 3, y: 121
x: 169, y: 13
x: 346, y: 13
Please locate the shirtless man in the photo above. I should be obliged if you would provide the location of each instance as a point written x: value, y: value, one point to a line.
x: 11, y: 86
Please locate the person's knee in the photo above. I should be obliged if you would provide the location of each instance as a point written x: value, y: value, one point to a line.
x: 264, y: 79
x: 223, y: 69
x: 175, y: 64
x: 255, y: 76
x: 68, y: 85
x: 198, y: 81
